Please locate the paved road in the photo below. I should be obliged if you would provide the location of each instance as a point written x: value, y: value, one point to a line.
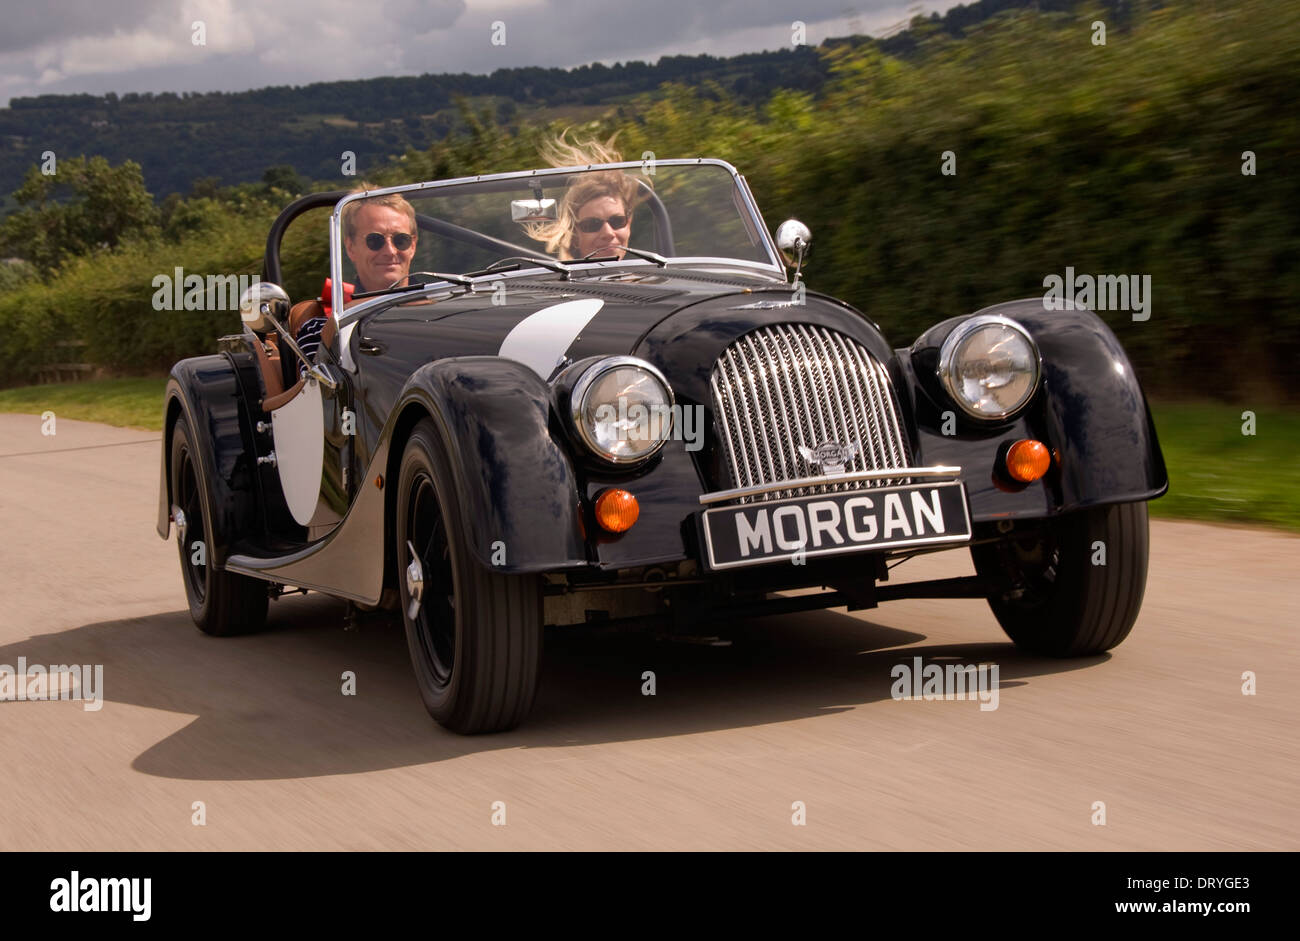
x: 798, y: 709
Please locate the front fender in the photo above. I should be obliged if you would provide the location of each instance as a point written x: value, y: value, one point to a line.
x: 205, y: 390
x: 1090, y: 409
x: 519, y: 504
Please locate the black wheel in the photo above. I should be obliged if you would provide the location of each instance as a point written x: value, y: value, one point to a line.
x: 475, y: 635
x: 1063, y: 602
x: 222, y: 603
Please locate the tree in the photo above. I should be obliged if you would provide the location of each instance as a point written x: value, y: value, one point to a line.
x: 83, y: 207
x: 207, y: 187
x: 283, y: 177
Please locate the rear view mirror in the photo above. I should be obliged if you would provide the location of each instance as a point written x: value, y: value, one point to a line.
x: 532, y: 210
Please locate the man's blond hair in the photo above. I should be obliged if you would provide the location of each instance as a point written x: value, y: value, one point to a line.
x: 391, y: 200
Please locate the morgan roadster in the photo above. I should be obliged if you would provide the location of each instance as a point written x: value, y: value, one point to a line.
x: 672, y: 433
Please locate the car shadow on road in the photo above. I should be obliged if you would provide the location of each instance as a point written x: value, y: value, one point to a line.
x: 271, y: 705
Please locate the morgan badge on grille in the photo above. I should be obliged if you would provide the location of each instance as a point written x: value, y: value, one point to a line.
x: 829, y: 457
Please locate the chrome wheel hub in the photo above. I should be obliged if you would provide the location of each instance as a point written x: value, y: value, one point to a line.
x: 414, y: 582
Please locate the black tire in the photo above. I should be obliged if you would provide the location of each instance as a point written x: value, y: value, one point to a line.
x: 1062, y: 604
x: 476, y: 639
x: 221, y: 603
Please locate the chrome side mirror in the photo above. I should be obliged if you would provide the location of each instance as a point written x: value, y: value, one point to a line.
x: 263, y: 306
x: 794, y: 238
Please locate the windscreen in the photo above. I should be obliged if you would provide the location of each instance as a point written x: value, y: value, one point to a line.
x: 675, y: 211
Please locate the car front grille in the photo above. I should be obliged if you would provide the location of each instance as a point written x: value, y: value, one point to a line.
x: 790, y: 386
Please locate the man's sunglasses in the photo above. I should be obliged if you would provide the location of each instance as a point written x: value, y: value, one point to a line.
x: 401, y: 241
x: 595, y: 224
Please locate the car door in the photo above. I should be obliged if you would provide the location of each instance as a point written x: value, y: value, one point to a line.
x: 312, y: 432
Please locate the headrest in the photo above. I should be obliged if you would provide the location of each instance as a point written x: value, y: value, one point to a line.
x: 327, y: 295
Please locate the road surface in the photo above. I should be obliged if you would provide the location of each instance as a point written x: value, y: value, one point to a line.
x: 797, y: 709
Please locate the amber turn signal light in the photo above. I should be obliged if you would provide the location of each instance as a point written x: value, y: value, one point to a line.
x: 616, y: 510
x: 1028, y: 460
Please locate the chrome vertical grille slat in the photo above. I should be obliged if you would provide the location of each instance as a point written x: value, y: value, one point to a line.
x: 816, y: 429
x: 782, y: 403
x: 754, y: 411
x: 827, y: 386
x: 780, y: 420
x: 763, y: 372
x: 790, y: 386
x: 745, y: 424
x: 870, y: 371
x: 851, y: 402
x: 804, y: 418
x: 851, y: 368
x: 725, y: 410
x: 895, y: 431
x: 805, y: 374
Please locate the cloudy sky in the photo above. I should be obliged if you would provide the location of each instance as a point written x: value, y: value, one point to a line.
x: 96, y: 46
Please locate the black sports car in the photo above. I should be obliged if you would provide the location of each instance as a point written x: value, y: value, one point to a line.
x: 666, y: 430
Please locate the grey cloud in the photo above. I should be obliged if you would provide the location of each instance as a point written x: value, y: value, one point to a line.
x: 422, y: 16
x: 29, y: 25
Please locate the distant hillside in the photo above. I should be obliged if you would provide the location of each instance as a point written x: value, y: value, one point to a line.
x: 235, y: 137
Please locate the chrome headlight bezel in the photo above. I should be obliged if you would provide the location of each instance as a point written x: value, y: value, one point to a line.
x: 578, y: 406
x: 948, y: 374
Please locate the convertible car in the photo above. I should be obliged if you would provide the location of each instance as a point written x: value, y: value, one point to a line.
x: 671, y: 435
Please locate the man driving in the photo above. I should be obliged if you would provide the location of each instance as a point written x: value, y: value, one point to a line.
x: 380, y: 237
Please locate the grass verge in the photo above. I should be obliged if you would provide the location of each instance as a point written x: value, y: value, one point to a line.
x: 130, y: 403
x: 1217, y: 472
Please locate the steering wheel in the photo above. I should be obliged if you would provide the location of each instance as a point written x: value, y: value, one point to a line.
x: 658, y: 259
x: 406, y: 277
x: 595, y: 250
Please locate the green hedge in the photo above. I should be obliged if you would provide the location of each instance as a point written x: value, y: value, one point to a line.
x: 107, y: 300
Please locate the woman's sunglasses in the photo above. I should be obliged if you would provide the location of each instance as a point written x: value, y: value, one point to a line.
x: 401, y: 241
x: 595, y: 224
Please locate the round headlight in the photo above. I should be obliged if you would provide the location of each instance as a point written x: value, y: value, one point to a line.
x: 989, y: 365
x: 623, y: 409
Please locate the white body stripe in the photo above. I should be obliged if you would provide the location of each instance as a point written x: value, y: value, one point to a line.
x: 539, y: 341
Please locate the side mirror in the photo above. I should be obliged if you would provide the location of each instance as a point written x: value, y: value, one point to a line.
x: 263, y: 306
x: 794, y: 239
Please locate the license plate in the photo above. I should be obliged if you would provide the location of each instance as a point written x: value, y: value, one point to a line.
x: 831, y: 523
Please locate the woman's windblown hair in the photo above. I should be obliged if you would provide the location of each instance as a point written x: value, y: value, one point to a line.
x: 560, y: 235
x: 562, y: 152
